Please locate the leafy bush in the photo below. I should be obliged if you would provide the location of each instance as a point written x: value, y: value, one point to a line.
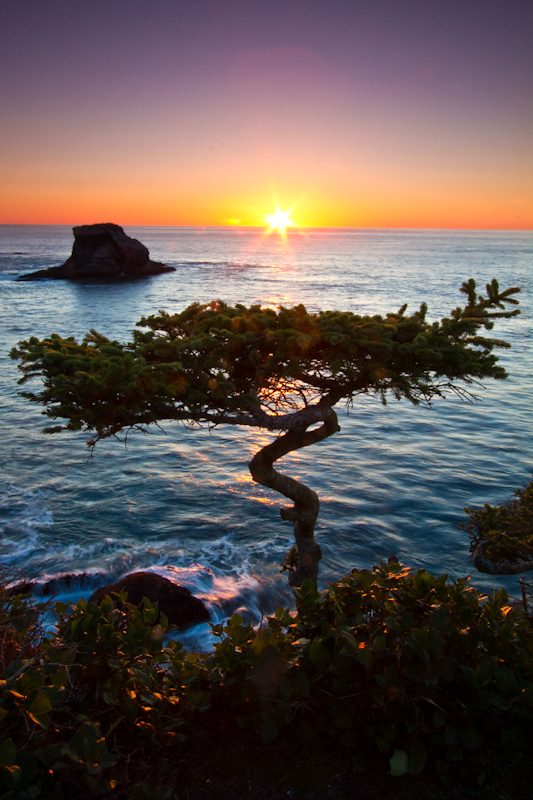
x: 501, y: 537
x: 404, y: 663
x: 95, y: 708
x: 420, y: 670
x: 417, y: 666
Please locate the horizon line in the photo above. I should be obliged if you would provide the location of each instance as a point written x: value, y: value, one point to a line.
x: 290, y: 230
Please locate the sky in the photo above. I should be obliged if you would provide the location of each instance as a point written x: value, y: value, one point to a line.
x: 347, y: 113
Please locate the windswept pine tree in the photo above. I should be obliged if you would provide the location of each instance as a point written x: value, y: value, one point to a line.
x: 282, y: 370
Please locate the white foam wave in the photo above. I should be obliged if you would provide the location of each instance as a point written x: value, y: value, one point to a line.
x: 23, y: 516
x: 224, y: 595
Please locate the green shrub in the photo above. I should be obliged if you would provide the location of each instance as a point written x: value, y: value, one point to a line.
x: 95, y: 708
x: 20, y: 617
x: 392, y: 661
x: 253, y: 678
x: 501, y: 537
x: 417, y: 666
x: 419, y: 671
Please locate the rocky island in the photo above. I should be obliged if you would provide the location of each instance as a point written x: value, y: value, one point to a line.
x: 102, y: 250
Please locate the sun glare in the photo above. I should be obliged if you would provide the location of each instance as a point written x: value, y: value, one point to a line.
x: 279, y: 220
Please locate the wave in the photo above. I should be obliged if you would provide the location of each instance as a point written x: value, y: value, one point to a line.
x: 223, y: 594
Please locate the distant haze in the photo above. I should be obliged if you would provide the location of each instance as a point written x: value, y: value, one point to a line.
x: 213, y: 112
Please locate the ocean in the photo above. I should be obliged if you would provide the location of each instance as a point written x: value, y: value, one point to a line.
x: 181, y: 502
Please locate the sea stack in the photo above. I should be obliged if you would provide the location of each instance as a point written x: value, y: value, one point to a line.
x: 102, y: 250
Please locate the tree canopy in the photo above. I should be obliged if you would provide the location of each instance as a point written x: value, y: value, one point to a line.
x: 281, y: 370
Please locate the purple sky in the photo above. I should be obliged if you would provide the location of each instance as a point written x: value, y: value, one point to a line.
x: 209, y: 111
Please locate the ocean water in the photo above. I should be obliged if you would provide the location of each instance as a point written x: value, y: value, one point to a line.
x: 181, y: 502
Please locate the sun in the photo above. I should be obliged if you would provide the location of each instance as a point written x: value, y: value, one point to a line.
x: 280, y: 220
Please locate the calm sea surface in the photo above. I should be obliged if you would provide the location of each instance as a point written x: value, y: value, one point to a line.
x: 181, y: 502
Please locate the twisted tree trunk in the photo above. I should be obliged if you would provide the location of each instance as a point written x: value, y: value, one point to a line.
x: 304, y: 512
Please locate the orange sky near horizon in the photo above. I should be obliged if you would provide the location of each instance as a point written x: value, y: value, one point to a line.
x: 214, y: 113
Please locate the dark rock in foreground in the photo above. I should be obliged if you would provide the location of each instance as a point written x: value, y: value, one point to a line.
x: 102, y: 251
x: 68, y: 582
x: 175, y: 602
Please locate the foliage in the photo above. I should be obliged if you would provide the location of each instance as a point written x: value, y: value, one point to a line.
x: 501, y: 537
x: 20, y: 628
x: 419, y: 671
x: 416, y: 667
x: 94, y: 709
x: 256, y: 366
x: 419, y: 666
